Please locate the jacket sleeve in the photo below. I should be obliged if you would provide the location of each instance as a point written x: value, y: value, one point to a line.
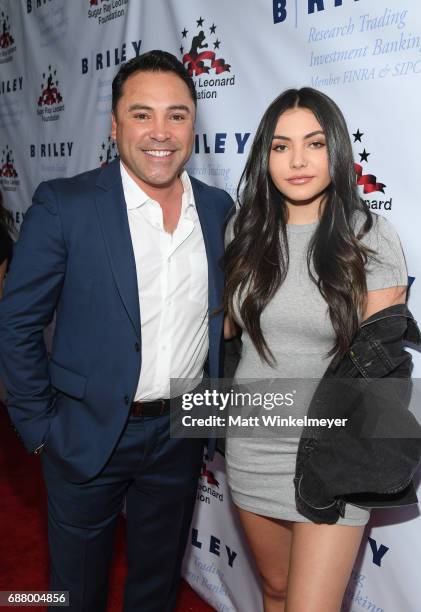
x: 378, y: 451
x: 32, y: 289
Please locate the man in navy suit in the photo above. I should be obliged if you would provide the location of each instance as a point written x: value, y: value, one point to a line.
x: 128, y: 257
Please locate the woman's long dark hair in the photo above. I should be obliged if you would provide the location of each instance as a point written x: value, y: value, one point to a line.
x: 256, y: 260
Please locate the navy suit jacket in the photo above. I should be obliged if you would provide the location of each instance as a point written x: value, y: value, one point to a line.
x: 75, y: 258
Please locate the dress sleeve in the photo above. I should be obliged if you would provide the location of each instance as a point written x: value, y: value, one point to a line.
x: 386, y: 267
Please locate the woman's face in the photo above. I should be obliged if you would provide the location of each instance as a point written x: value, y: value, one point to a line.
x: 298, y: 162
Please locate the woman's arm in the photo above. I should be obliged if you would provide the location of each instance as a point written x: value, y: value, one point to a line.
x: 386, y: 272
x: 383, y: 298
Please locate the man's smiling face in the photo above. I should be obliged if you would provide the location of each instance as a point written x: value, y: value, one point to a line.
x: 154, y: 128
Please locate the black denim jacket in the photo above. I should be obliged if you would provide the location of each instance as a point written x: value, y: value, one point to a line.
x: 347, y: 465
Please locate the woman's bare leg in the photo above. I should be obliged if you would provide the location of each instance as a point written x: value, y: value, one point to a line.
x: 270, y: 541
x: 321, y: 561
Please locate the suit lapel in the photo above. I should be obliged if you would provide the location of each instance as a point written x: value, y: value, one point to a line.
x: 206, y: 213
x: 112, y: 212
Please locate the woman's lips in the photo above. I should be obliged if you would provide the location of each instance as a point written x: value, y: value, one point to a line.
x: 299, y: 180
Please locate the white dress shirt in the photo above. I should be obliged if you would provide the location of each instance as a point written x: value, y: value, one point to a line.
x: 172, y: 279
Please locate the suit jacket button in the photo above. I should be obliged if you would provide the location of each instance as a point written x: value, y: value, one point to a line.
x: 137, y: 347
x: 126, y: 399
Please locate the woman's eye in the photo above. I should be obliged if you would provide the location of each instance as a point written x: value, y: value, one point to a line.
x: 317, y: 144
x: 280, y: 147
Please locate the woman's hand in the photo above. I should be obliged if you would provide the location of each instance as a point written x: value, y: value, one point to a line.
x: 230, y: 328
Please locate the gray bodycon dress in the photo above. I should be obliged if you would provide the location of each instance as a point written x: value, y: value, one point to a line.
x: 297, y: 328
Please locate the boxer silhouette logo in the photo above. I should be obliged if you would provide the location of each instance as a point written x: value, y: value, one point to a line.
x: 50, y: 101
x: 7, y: 42
x: 200, y: 54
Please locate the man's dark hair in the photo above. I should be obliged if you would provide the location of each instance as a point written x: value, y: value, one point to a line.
x: 152, y: 61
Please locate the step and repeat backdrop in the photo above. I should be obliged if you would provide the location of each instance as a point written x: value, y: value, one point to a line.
x: 57, y: 61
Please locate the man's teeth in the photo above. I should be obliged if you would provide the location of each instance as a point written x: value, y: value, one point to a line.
x: 159, y: 153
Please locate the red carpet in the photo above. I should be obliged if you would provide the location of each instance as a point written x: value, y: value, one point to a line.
x: 23, y: 534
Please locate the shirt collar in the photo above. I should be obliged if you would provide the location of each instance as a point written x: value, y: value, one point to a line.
x: 136, y: 197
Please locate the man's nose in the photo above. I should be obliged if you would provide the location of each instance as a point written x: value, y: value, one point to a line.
x: 159, y: 129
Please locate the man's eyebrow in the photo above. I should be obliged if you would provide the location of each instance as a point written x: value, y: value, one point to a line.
x: 310, y: 135
x: 137, y: 106
x: 182, y: 107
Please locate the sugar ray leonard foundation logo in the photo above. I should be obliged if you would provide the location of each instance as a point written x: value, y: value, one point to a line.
x: 50, y: 102
x: 104, y: 11
x: 9, y: 178
x: 208, y: 486
x: 199, y: 51
x: 108, y: 151
x: 368, y: 182
x: 7, y: 42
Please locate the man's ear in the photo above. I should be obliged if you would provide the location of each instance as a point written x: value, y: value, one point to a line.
x: 113, y: 127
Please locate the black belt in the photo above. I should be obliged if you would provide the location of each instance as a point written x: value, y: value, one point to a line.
x: 150, y: 409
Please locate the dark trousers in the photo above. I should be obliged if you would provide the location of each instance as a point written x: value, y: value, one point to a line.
x: 158, y: 477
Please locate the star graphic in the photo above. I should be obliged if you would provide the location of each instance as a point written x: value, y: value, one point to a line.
x: 216, y: 44
x: 364, y: 155
x: 212, y: 28
x: 200, y: 22
x: 357, y: 135
x: 184, y: 33
x: 181, y: 50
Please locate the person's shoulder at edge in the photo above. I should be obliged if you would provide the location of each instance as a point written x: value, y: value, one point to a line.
x: 222, y: 196
x: 86, y: 177
x: 386, y: 266
x: 381, y: 228
x: 206, y: 186
x: 58, y: 192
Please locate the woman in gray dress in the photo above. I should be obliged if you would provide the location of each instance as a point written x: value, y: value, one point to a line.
x: 306, y: 262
